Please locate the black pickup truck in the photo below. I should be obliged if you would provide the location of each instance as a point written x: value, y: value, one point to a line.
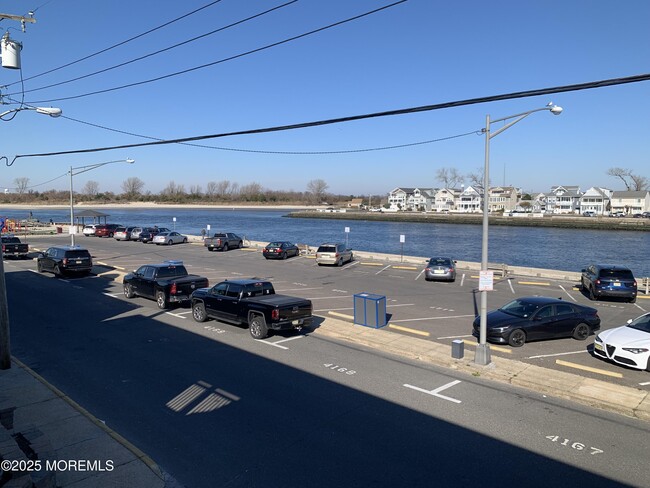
x: 252, y: 302
x: 167, y: 282
x: 12, y: 247
x: 223, y: 241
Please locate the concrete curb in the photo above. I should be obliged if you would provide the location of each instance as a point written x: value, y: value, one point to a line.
x: 594, y: 393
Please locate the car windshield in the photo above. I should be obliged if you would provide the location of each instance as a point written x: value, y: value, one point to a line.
x: 620, y: 274
x: 76, y: 254
x: 520, y: 308
x: 327, y: 249
x: 641, y: 323
x: 439, y: 262
x: 274, y: 244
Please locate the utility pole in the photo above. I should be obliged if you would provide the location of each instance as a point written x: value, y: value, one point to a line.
x: 10, y: 59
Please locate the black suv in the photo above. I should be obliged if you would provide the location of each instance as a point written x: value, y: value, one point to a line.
x: 65, y: 260
x: 607, y: 280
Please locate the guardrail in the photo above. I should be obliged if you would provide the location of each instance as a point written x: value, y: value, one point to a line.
x: 498, y: 268
x: 645, y: 284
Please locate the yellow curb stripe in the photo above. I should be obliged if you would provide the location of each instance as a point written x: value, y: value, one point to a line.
x: 406, y: 329
x: 493, y: 347
x: 371, y: 264
x: 541, y: 283
x: 404, y: 267
x: 643, y: 297
x: 310, y: 257
x: 249, y: 249
x: 342, y: 315
x: 587, y: 368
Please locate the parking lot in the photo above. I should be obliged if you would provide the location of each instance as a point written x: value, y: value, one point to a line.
x: 432, y: 311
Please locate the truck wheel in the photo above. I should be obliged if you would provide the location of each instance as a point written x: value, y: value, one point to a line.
x: 257, y: 327
x: 161, y: 300
x: 39, y: 267
x: 225, y: 247
x: 128, y: 290
x: 57, y: 271
x: 198, y: 312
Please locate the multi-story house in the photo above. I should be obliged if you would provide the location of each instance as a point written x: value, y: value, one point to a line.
x: 503, y: 198
x: 630, y: 202
x: 398, y: 197
x: 563, y: 200
x: 469, y: 201
x: 596, y: 200
x: 445, y: 199
x: 421, y: 200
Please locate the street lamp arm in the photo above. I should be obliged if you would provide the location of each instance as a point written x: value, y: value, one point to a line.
x: 51, y: 111
x: 83, y: 169
x: 554, y: 109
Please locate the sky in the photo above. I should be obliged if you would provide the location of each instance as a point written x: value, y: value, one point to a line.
x: 415, y: 53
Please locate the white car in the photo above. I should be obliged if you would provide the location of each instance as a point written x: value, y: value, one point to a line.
x: 628, y: 345
x: 88, y: 230
x: 169, y: 238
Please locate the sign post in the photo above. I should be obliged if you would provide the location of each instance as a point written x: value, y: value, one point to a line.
x: 402, y: 240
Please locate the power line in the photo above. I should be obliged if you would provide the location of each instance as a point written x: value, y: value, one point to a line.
x: 140, y: 58
x: 303, y: 125
x: 230, y: 58
x: 119, y: 43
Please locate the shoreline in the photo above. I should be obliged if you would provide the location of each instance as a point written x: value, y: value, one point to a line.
x: 150, y: 205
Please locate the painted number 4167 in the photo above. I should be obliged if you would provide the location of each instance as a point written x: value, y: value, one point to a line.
x: 574, y: 445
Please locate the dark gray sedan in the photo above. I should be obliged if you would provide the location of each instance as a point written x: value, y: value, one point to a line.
x: 440, y: 269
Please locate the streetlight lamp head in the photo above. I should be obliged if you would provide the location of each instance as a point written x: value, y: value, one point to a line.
x: 555, y: 110
x: 130, y: 161
x: 51, y: 111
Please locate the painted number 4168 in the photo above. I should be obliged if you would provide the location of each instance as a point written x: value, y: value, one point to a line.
x: 339, y: 369
x: 574, y: 445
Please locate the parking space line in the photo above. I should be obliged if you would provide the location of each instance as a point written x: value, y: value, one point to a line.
x: 329, y: 298
x: 176, y: 315
x: 462, y: 279
x: 646, y: 383
x: 370, y: 264
x: 511, y: 287
x: 419, y: 274
x: 298, y: 289
x: 587, y: 368
x: 558, y: 354
x: 412, y: 268
x: 437, y: 391
x: 570, y: 296
x: 454, y: 337
x: 540, y: 283
x: 382, y: 269
x: 412, y: 331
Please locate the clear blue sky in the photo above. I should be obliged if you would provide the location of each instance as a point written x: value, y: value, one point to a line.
x: 417, y: 53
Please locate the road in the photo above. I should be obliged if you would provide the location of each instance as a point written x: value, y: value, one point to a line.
x: 215, y: 408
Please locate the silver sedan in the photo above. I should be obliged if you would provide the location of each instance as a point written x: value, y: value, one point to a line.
x: 169, y: 238
x: 440, y: 269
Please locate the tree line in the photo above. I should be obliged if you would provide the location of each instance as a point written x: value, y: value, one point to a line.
x: 214, y: 192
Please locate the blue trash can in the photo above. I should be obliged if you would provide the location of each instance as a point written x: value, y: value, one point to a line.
x: 370, y: 310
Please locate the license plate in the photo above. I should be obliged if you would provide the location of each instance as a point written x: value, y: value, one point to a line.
x: 296, y: 322
x: 438, y: 271
x: 79, y: 262
x: 598, y: 346
x: 616, y: 284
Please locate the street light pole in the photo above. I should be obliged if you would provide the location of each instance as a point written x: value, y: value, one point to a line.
x: 83, y: 169
x: 482, y: 356
x: 5, y: 346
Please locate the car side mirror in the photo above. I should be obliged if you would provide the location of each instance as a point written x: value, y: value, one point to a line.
x: 629, y: 321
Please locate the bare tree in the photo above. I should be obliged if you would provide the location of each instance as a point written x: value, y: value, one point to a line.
x: 195, y: 191
x: 252, y: 191
x: 449, y: 177
x: 91, y: 188
x: 132, y: 187
x: 629, y: 179
x: 317, y: 189
x: 21, y: 184
x: 211, y: 189
x: 476, y: 179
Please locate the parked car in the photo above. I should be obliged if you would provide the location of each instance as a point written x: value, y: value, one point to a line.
x: 124, y: 233
x: 148, y: 233
x: 106, y: 230
x: 440, y: 269
x: 537, y: 318
x: 62, y: 260
x: 617, y: 214
x: 628, y: 345
x: 169, y: 238
x: 645, y: 215
x: 222, y: 241
x: 13, y: 247
x: 135, y: 233
x: 280, y: 250
x: 89, y: 230
x: 252, y: 302
x: 336, y: 253
x: 608, y: 280
x: 167, y: 282
x: 588, y: 213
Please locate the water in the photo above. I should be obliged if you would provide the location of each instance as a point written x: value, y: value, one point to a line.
x: 541, y: 247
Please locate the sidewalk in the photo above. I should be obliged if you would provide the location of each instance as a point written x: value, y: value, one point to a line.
x: 48, y: 441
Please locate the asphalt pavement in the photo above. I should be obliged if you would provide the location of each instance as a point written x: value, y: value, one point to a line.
x: 48, y: 440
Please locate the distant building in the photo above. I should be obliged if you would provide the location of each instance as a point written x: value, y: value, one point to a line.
x: 631, y: 202
x: 596, y: 200
x: 563, y: 200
